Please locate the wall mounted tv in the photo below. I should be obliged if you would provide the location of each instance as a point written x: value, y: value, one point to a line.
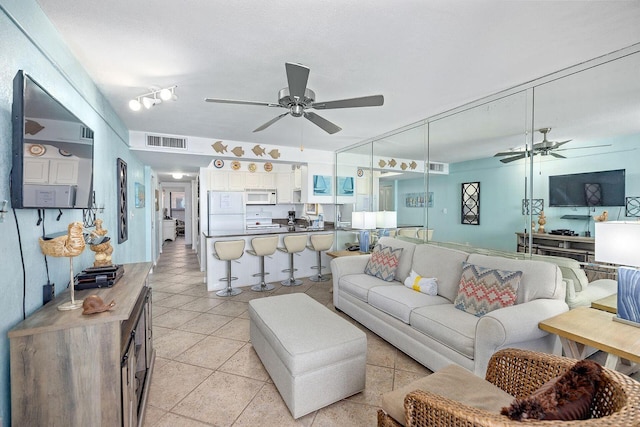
x: 52, y: 151
x: 603, y: 188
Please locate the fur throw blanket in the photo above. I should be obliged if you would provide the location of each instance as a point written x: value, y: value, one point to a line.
x: 567, y: 397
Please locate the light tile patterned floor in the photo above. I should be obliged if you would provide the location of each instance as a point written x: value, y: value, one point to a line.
x: 207, y: 373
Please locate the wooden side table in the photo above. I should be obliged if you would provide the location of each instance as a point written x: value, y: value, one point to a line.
x: 585, y: 326
x: 609, y: 304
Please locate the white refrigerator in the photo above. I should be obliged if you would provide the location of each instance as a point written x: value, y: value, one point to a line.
x: 226, y: 211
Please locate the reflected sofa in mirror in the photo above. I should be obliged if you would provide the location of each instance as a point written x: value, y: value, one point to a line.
x: 593, y: 104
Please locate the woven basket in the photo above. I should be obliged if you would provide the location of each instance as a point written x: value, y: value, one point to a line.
x: 70, y: 245
x: 519, y: 373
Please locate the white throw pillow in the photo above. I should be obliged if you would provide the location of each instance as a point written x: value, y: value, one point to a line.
x: 426, y: 285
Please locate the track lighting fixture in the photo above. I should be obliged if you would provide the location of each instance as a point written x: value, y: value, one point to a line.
x: 155, y: 97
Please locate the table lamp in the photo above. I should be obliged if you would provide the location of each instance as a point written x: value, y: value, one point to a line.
x: 618, y: 242
x: 386, y: 220
x: 364, y: 221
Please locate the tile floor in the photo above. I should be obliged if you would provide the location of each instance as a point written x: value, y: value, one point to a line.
x: 207, y: 373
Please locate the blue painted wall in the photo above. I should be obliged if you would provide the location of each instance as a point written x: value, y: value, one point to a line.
x: 502, y: 189
x: 29, y: 42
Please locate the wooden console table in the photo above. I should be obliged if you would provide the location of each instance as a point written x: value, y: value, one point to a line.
x: 579, y: 248
x: 585, y: 326
x: 70, y: 369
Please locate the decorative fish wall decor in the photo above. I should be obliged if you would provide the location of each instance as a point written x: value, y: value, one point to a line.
x: 238, y: 151
x: 219, y: 147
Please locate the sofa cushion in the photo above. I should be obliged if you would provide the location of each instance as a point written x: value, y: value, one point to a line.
x: 426, y: 285
x: 383, y: 262
x: 358, y: 285
x: 444, y: 323
x: 398, y: 301
x: 453, y: 382
x: 443, y: 263
x: 406, y: 258
x: 486, y: 289
x: 539, y: 279
x: 570, y: 269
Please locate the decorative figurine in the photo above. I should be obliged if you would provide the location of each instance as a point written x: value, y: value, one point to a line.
x: 69, y: 245
x: 542, y: 220
x: 602, y: 217
x: 102, y: 247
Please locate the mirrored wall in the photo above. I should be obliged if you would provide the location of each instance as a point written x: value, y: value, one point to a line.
x: 518, y: 146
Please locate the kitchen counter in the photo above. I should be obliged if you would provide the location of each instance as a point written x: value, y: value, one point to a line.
x: 247, y: 265
x: 265, y: 231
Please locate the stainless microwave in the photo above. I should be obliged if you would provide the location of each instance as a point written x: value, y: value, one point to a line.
x: 260, y: 197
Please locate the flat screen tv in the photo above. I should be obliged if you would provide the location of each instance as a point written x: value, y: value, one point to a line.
x: 52, y: 151
x: 602, y: 188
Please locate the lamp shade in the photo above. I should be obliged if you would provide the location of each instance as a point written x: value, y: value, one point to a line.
x: 363, y: 220
x: 618, y: 242
x: 386, y: 219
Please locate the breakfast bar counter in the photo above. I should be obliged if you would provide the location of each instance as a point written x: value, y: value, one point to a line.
x: 248, y: 265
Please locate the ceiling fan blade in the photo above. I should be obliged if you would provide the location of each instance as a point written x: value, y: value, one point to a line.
x: 561, y: 143
x: 322, y: 122
x: 514, y: 158
x: 270, y: 122
x: 559, y: 156
x: 363, y: 101
x: 508, y: 153
x: 582, y: 148
x: 297, y: 76
x: 235, y: 101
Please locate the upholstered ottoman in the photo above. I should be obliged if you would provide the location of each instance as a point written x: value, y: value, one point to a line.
x: 313, y: 356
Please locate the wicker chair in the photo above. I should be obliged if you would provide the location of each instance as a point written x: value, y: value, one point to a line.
x: 519, y: 373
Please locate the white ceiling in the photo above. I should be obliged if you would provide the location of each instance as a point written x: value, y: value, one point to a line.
x: 424, y: 56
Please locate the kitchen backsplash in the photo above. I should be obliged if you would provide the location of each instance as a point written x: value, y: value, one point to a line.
x: 281, y: 210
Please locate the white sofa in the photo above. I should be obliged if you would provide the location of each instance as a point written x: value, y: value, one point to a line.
x: 579, y: 291
x: 431, y: 329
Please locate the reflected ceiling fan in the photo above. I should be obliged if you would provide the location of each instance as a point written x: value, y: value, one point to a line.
x: 297, y: 98
x: 544, y: 148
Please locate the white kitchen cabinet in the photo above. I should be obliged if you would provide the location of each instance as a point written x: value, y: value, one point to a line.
x: 297, y: 178
x: 363, y: 183
x: 50, y: 171
x: 36, y: 171
x: 283, y: 187
x: 218, y: 180
x: 63, y: 172
x: 236, y: 181
x: 260, y: 180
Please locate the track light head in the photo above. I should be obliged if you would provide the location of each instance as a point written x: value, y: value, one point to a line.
x: 155, y: 97
x: 135, y: 105
x: 150, y: 102
x: 166, y: 94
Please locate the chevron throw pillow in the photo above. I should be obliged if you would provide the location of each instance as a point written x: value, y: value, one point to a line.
x: 383, y: 262
x: 484, y: 289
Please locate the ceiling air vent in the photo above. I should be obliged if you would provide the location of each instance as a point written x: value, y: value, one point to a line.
x: 166, y: 142
x: 86, y: 133
x: 439, y: 168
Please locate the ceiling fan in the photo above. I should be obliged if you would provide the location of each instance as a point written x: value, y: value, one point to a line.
x: 297, y: 98
x: 544, y: 148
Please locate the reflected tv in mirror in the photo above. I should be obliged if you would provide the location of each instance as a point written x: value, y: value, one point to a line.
x: 602, y: 188
x: 52, y: 151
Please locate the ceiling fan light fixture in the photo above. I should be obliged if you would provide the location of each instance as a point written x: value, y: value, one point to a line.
x: 177, y: 175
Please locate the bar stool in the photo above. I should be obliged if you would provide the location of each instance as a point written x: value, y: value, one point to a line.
x: 319, y: 243
x: 229, y: 250
x: 263, y: 246
x: 293, y: 244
